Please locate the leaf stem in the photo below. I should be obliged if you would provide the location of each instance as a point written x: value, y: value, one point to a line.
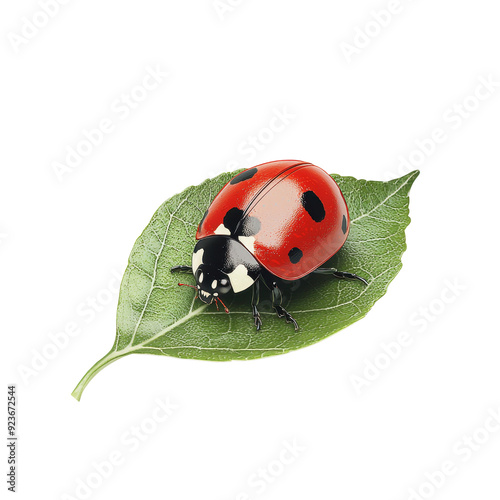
x: 94, y: 370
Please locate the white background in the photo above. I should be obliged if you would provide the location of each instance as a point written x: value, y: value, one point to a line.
x: 65, y: 238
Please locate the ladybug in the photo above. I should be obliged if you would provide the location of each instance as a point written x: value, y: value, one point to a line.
x: 276, y: 223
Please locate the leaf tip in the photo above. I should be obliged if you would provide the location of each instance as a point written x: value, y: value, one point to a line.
x: 411, y: 176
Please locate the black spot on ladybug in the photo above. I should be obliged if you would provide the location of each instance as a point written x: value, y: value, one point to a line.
x: 249, y: 226
x: 202, y: 220
x: 313, y: 206
x: 232, y: 218
x: 244, y: 176
x: 295, y: 255
x: 238, y: 226
x: 344, y: 224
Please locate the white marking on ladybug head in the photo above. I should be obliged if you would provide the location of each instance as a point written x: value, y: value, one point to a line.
x: 214, y: 284
x: 197, y: 259
x: 239, y: 278
x: 200, y: 279
x: 222, y: 229
x: 248, y: 242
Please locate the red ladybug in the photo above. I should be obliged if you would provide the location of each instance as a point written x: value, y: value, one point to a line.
x: 275, y: 222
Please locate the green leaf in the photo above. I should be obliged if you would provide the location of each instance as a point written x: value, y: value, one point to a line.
x: 156, y: 316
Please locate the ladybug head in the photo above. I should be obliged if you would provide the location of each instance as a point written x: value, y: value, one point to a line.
x: 211, y: 283
x: 220, y: 265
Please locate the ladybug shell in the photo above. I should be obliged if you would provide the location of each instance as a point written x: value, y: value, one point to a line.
x: 289, y: 214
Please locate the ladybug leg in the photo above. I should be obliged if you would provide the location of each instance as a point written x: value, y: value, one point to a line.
x: 255, y: 302
x: 181, y: 269
x: 339, y: 274
x: 280, y: 311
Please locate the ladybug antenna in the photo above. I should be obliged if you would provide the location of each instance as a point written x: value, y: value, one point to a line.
x: 225, y: 308
x: 184, y: 284
x: 191, y: 286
